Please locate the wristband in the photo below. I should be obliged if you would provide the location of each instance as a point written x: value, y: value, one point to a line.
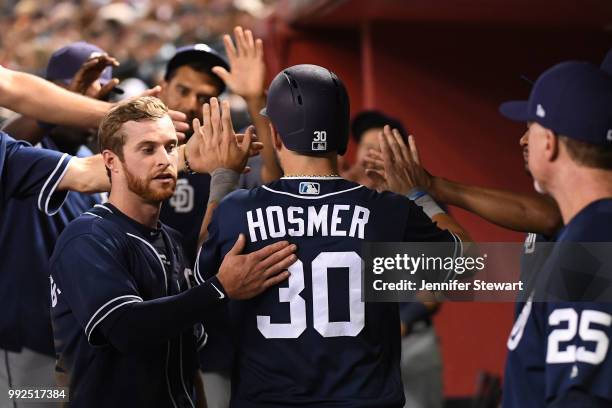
x: 187, y: 166
x: 425, y: 201
x: 222, y: 182
x: 416, y: 193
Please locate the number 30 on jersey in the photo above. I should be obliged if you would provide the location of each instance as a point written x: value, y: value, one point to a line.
x: 320, y: 299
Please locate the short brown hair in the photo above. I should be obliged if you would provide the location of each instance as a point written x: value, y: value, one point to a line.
x: 137, y: 109
x: 588, y: 154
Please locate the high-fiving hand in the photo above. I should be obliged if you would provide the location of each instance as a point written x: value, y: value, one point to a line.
x: 214, y: 143
x: 246, y: 59
x: 397, y: 167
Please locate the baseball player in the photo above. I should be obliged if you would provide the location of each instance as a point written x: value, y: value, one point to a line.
x: 559, y: 350
x: 26, y: 342
x: 126, y: 326
x: 313, y: 341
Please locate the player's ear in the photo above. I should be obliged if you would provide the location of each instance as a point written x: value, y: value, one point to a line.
x: 278, y: 144
x: 551, y: 145
x: 111, y: 161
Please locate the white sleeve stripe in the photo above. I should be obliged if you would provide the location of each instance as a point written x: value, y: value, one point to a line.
x: 42, y: 190
x: 89, y: 213
x: 201, y: 342
x: 103, y: 206
x: 457, y: 241
x: 50, y: 194
x: 106, y: 314
x: 460, y: 244
x: 196, y: 268
x: 101, y: 308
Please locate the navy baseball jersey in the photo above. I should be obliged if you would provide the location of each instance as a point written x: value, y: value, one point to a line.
x: 26, y: 171
x: 184, y: 211
x: 312, y: 341
x: 103, y: 262
x: 559, y: 352
x: 24, y: 279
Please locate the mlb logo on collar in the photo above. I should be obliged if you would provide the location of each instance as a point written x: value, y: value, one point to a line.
x: 310, y: 188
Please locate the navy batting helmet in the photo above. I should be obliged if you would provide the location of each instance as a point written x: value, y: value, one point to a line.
x: 309, y: 107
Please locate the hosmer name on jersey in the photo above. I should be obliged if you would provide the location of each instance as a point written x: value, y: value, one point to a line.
x: 338, y: 220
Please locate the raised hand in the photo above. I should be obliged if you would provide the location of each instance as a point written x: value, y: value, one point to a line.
x: 246, y: 59
x: 214, y: 143
x: 89, y: 72
x: 397, y: 167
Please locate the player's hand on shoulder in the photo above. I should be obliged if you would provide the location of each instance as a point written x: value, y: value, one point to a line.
x: 214, y: 143
x: 246, y: 59
x: 397, y: 166
x: 244, y: 276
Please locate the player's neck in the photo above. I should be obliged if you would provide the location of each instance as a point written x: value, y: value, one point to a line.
x: 142, y: 211
x: 574, y: 190
x: 298, y: 165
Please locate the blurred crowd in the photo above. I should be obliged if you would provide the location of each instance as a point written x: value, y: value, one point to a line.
x: 141, y: 34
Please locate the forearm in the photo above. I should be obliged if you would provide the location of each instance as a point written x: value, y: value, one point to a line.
x: 86, y: 175
x: 33, y: 96
x: 270, y: 170
x: 154, y: 322
x: 222, y: 182
x: 516, y: 211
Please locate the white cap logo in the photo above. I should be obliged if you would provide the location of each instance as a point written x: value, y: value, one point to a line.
x: 540, y: 112
x: 202, y: 47
x: 609, y: 135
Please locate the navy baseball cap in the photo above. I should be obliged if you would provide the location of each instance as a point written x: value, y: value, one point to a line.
x: 197, y: 53
x: 573, y: 99
x: 65, y: 63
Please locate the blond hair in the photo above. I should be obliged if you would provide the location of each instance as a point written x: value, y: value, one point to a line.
x: 110, y: 136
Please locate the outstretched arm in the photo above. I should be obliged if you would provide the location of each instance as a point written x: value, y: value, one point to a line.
x: 42, y: 100
x: 397, y: 169
x: 247, y: 77
x: 45, y: 101
x: 516, y: 211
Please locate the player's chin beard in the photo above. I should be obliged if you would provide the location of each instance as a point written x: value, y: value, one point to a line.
x: 141, y: 187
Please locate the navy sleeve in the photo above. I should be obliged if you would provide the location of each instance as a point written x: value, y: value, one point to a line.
x: 94, y: 281
x: 152, y: 322
x: 28, y: 171
x: 578, y: 357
